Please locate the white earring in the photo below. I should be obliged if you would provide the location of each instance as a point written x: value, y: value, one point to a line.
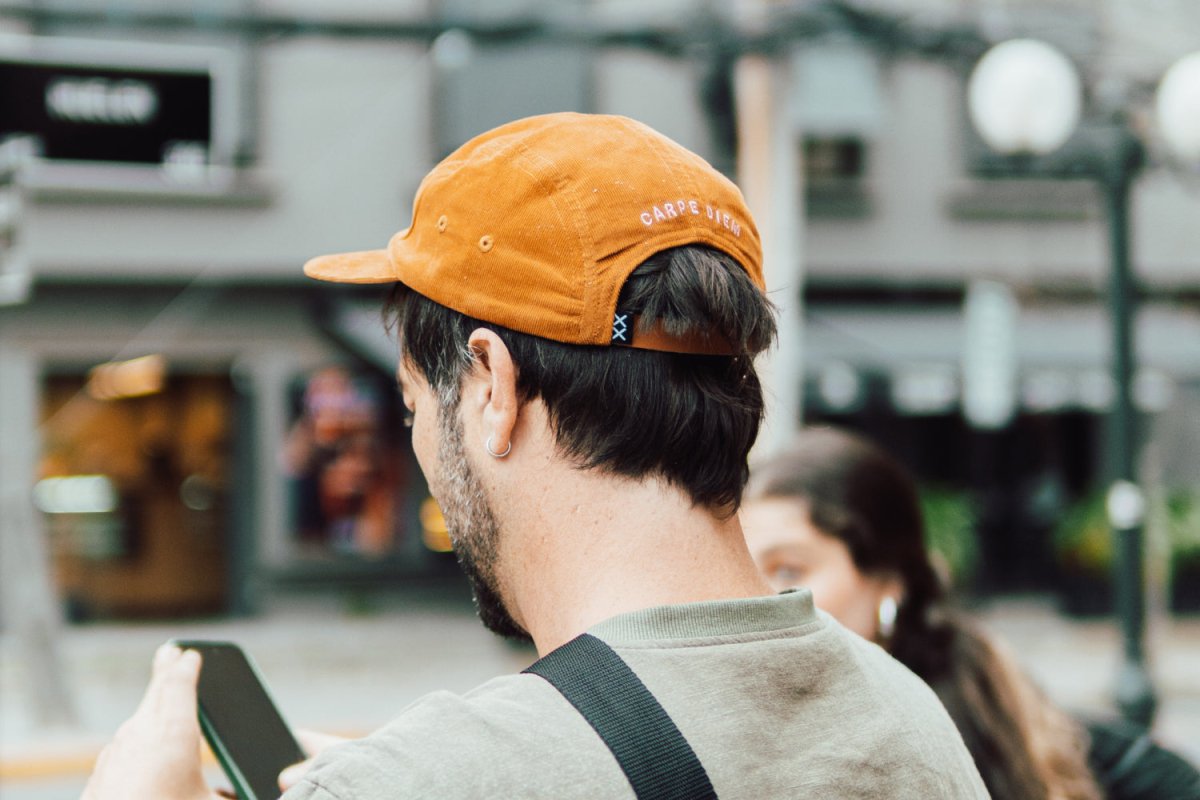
x: 488, y: 446
x: 887, y: 617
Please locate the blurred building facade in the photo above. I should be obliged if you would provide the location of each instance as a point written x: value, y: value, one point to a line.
x: 262, y: 453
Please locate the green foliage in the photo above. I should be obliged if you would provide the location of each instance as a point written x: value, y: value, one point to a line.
x: 950, y: 518
x: 1183, y: 524
x: 1082, y: 539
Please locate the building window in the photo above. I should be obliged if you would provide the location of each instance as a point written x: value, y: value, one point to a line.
x: 835, y: 169
x: 481, y: 84
x: 833, y: 158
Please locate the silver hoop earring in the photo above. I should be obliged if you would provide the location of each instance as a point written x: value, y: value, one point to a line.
x: 887, y: 617
x: 488, y: 446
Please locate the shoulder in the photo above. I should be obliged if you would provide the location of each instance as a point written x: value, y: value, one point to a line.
x: 1130, y: 765
x: 495, y: 741
x: 913, y: 740
x: 815, y: 711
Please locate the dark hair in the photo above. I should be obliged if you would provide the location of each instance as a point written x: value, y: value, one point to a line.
x: 1023, y: 746
x: 690, y: 419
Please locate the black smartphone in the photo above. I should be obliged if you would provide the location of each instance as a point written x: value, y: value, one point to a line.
x: 240, y: 721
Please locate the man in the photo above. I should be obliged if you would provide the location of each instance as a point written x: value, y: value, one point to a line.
x: 579, y: 302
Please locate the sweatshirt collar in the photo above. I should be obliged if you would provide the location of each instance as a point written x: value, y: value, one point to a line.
x: 711, y: 618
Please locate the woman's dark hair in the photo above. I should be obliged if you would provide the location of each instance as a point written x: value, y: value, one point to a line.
x: 1024, y: 747
x: 690, y: 419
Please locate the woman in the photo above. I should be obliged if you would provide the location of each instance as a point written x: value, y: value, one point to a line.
x: 836, y: 515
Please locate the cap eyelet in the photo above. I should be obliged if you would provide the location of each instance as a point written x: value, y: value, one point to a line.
x: 486, y: 242
x: 441, y: 223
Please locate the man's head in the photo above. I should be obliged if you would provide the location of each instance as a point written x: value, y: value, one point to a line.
x: 620, y: 272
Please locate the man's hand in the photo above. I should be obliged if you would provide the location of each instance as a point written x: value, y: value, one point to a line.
x: 156, y: 752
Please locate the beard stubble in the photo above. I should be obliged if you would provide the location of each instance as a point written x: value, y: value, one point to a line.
x: 472, y: 526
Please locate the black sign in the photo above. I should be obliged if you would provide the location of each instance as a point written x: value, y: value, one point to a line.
x: 77, y: 112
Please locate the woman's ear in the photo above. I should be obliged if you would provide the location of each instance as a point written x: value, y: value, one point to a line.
x: 491, y: 389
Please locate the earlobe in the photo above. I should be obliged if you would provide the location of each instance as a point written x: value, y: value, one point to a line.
x: 488, y: 446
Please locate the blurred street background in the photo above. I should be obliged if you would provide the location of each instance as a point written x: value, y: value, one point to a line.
x: 985, y: 252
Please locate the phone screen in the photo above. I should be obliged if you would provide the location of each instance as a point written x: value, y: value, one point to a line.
x: 240, y: 721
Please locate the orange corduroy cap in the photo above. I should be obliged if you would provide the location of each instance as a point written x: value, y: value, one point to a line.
x: 536, y: 225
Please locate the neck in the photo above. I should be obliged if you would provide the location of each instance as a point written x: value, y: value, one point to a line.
x: 582, y: 546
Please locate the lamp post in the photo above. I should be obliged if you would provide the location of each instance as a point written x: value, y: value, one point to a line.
x: 1024, y: 98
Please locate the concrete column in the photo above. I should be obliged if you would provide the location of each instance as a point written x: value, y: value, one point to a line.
x: 771, y: 177
x: 268, y: 376
x: 29, y: 607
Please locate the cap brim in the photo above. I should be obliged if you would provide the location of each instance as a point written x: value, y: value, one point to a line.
x: 365, y: 266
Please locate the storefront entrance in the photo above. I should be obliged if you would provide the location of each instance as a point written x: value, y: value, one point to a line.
x: 134, y: 487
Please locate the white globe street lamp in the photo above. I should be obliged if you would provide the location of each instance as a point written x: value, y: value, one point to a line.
x: 1024, y: 98
x: 1177, y: 108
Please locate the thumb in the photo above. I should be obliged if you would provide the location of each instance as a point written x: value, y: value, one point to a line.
x: 293, y: 774
x: 173, y: 678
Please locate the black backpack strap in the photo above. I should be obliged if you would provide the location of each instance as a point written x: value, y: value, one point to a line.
x: 658, y: 761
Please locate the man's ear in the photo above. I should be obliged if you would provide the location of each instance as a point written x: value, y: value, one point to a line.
x: 491, y: 387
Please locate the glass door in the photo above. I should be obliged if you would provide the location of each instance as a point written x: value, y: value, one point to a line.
x: 134, y: 489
